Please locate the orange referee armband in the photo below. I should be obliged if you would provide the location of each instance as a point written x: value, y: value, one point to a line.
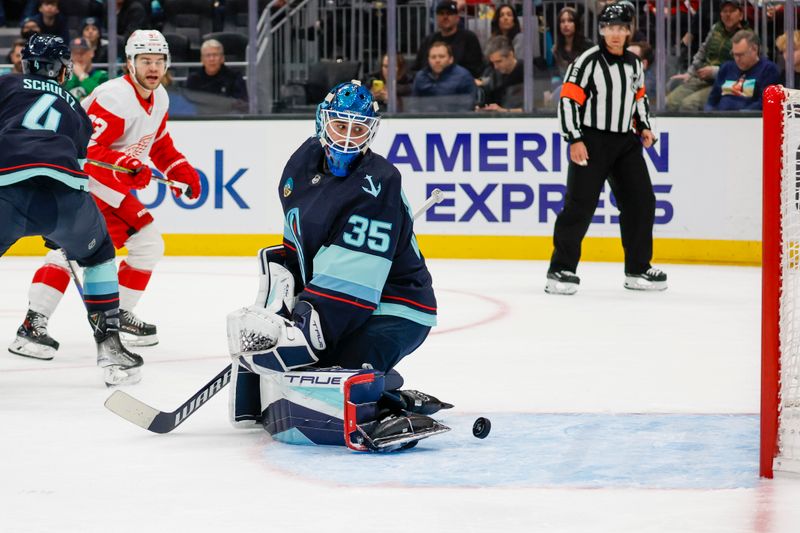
x: 573, y: 92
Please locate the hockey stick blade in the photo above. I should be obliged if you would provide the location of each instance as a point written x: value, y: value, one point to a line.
x: 144, y: 416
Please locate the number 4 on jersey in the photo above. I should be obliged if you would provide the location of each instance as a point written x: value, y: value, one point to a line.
x: 43, y: 108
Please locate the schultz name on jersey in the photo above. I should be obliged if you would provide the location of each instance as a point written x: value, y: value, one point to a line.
x: 43, y: 131
x: 350, y: 243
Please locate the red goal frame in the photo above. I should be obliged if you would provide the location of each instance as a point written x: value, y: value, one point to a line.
x: 773, y: 116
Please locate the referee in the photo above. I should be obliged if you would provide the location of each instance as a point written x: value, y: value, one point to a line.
x: 603, y: 114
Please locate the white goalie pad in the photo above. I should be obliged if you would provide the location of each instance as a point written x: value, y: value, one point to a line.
x: 265, y: 342
x: 275, y: 283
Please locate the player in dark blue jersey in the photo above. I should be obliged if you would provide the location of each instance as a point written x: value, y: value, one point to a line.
x: 43, y: 191
x: 349, y: 277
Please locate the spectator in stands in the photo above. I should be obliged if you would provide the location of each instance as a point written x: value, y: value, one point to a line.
x: 741, y: 82
x: 91, y: 33
x: 570, y: 42
x: 781, y: 43
x: 215, y: 77
x: 644, y: 51
x: 14, y: 57
x: 715, y: 50
x: 131, y: 16
x: 51, y: 21
x: 442, y: 77
x: 28, y: 27
x: 503, y: 88
x: 85, y: 78
x: 377, y: 82
x: 466, y: 49
x: 505, y: 23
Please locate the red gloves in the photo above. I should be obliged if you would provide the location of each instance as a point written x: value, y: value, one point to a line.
x: 140, y: 175
x: 185, y: 173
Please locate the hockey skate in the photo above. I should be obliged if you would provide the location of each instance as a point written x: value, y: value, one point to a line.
x: 401, y: 432
x: 135, y: 331
x: 119, y: 366
x: 418, y: 402
x: 652, y: 280
x: 32, y: 338
x: 562, y: 282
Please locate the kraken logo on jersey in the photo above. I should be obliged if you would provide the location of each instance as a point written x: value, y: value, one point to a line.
x: 374, y: 191
x: 288, y: 187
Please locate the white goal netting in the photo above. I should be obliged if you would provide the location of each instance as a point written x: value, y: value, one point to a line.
x: 788, y: 457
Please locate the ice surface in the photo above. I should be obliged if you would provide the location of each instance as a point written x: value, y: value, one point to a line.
x: 612, y: 411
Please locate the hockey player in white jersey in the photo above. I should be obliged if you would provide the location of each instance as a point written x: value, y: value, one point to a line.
x: 129, y: 116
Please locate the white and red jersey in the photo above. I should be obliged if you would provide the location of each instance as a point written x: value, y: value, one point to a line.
x: 127, y: 125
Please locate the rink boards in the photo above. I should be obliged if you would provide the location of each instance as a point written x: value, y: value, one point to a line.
x: 503, y: 181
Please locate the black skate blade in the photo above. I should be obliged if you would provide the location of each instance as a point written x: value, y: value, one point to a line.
x: 387, y: 444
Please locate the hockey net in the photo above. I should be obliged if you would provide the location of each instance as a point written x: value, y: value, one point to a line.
x: 780, y: 333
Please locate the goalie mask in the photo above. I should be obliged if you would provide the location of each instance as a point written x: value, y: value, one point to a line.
x: 347, y: 121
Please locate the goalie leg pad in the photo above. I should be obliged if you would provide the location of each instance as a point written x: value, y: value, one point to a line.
x: 244, y: 405
x: 339, y: 407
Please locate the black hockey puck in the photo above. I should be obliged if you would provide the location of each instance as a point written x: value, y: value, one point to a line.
x: 481, y: 427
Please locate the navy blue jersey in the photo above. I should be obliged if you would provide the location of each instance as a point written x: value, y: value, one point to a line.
x: 350, y: 243
x: 44, y: 131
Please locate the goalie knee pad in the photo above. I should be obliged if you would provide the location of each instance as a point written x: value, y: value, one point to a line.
x: 275, y: 281
x: 339, y: 407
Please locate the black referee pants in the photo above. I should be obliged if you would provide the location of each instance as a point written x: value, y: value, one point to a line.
x: 618, y: 157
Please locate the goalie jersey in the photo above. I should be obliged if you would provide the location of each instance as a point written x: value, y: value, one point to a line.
x: 350, y: 243
x: 43, y: 131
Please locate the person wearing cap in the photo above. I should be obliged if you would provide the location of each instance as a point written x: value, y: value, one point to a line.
x: 692, y: 93
x: 92, y: 33
x: 604, y: 116
x: 28, y: 27
x: 85, y: 78
x: 51, y: 21
x: 464, y: 43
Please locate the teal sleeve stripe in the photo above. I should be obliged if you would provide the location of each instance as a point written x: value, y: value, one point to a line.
x: 405, y: 202
x: 354, y: 267
x: 345, y: 287
x: 80, y: 183
x: 103, y: 287
x: 402, y: 311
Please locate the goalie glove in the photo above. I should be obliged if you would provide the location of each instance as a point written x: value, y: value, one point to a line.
x: 265, y: 342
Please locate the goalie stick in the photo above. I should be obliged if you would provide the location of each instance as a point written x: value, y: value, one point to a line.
x: 184, y: 187
x: 123, y: 404
x: 141, y: 414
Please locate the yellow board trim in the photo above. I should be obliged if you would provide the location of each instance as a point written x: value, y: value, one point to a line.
x: 467, y: 247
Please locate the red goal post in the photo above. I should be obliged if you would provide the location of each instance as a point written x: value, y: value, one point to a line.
x: 780, y: 296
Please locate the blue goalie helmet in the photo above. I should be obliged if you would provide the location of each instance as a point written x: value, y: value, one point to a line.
x: 347, y: 121
x: 46, y: 55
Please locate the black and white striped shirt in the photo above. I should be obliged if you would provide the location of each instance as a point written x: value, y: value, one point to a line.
x: 603, y: 91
